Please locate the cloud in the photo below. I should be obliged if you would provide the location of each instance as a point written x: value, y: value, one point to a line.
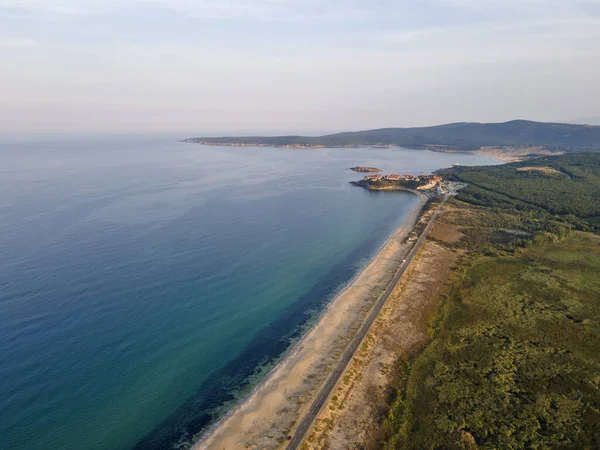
x: 210, y: 9
x: 293, y: 10
x: 18, y: 43
x: 422, y: 13
x: 180, y: 58
x: 559, y: 27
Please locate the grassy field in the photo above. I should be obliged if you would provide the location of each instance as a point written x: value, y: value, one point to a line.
x: 515, y: 358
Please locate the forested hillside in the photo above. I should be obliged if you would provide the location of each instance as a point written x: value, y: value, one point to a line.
x: 515, y: 360
x: 514, y: 356
x: 457, y: 136
x: 562, y: 185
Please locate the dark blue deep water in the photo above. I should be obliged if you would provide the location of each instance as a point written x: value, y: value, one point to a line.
x: 144, y: 282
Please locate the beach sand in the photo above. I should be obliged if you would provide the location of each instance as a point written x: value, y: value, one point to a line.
x: 268, y: 415
x: 515, y: 154
x: 351, y: 418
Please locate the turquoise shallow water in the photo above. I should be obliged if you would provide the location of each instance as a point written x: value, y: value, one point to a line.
x: 144, y: 281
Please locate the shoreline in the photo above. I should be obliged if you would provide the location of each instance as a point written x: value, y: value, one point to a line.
x: 505, y: 154
x: 353, y: 417
x: 510, y: 155
x: 266, y: 415
x: 499, y: 156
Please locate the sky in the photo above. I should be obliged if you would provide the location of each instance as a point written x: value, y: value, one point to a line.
x: 214, y: 67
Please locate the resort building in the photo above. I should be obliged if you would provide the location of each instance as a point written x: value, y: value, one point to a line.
x: 394, y: 177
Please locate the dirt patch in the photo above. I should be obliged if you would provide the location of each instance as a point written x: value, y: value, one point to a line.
x: 445, y: 232
x: 544, y: 170
x: 350, y: 418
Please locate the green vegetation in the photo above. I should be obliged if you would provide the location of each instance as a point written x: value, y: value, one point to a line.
x: 514, y: 356
x: 572, y: 191
x: 458, y: 136
x: 388, y: 184
x: 514, y: 362
x: 496, y: 231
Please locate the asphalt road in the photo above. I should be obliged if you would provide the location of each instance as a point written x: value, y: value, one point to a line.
x: 339, y: 369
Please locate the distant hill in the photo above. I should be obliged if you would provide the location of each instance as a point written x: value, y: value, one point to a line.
x: 455, y: 136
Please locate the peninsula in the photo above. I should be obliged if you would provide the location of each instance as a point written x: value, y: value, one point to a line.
x: 395, y: 182
x: 514, y: 140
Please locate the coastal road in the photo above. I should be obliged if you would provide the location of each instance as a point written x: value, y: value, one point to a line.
x: 348, y: 354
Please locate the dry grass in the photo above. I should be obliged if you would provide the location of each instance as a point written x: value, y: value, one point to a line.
x: 544, y: 170
x: 446, y: 232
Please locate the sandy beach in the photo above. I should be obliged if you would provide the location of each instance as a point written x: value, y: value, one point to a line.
x: 268, y: 415
x: 351, y: 418
x: 510, y: 154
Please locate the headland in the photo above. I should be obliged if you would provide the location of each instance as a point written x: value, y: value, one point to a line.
x: 406, y: 182
x: 516, y: 139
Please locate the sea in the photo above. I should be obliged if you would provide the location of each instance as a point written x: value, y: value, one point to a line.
x: 147, y: 285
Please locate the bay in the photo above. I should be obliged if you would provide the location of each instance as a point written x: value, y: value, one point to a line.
x: 144, y: 282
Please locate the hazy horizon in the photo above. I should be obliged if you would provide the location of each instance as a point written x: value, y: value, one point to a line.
x: 293, y: 66
x: 180, y: 135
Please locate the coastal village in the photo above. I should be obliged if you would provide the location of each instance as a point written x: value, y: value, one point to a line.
x: 392, y: 181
